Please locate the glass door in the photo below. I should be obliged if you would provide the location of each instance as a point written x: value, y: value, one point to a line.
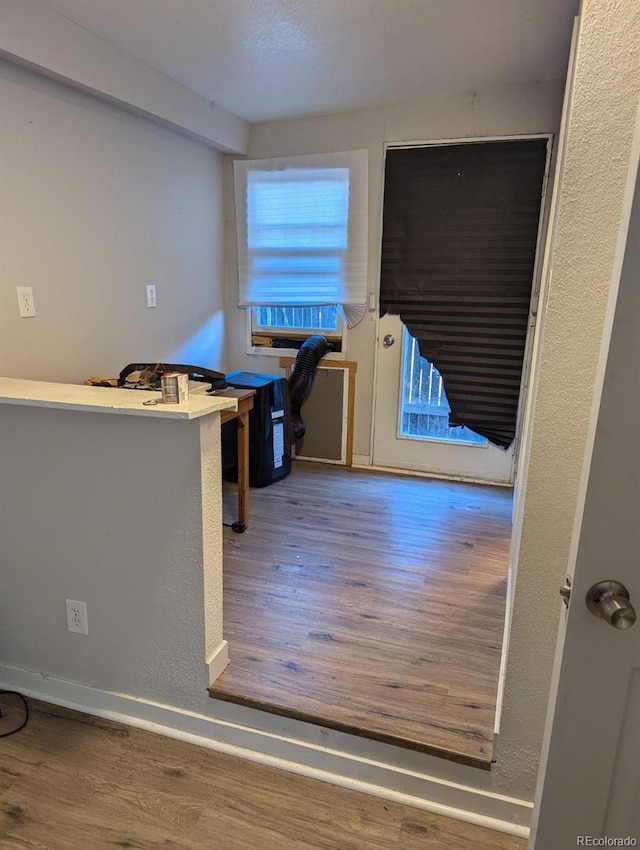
x: 424, y: 408
x: 411, y: 424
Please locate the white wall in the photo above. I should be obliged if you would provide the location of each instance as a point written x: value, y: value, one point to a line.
x: 36, y: 37
x: 96, y: 203
x: 513, y: 110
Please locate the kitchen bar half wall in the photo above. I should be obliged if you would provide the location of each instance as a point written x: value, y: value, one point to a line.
x: 122, y: 512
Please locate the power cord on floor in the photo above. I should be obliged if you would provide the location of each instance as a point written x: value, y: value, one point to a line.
x: 6, y: 713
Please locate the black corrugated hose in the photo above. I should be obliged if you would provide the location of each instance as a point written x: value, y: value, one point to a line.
x: 14, y: 713
x: 302, y: 376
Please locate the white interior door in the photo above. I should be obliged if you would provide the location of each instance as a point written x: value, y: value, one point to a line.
x: 590, y: 775
x: 410, y: 404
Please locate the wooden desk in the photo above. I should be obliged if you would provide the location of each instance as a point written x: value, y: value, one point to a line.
x: 245, y: 404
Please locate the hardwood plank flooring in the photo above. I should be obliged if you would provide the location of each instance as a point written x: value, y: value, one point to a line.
x: 371, y: 603
x: 69, y: 781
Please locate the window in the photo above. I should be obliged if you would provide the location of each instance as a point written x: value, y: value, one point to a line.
x: 424, y: 408
x: 277, y: 328
x: 302, y: 239
x: 326, y: 319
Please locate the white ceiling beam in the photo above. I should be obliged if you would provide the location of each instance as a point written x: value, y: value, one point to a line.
x: 39, y: 38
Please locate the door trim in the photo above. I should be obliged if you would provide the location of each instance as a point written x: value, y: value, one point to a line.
x: 525, y: 413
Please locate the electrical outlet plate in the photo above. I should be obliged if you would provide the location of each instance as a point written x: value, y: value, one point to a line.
x: 77, y: 617
x: 151, y: 295
x: 25, y: 302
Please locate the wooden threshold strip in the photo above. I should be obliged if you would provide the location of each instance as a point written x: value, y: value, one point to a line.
x: 330, y: 722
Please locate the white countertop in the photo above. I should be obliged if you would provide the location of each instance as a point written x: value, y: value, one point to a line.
x: 107, y: 399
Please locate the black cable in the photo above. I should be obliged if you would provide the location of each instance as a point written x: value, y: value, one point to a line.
x: 26, y: 713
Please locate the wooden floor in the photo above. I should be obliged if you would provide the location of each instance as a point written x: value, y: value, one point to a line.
x: 72, y: 782
x: 370, y: 603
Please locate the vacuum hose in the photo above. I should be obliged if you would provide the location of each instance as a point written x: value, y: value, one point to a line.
x: 302, y: 376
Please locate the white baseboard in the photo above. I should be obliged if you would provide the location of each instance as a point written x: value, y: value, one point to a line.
x: 361, y: 460
x: 357, y: 773
x: 418, y: 473
x: 329, y: 460
x: 218, y: 662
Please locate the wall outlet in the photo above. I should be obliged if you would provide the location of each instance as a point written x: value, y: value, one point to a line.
x: 77, y: 617
x: 26, y: 303
x: 151, y: 295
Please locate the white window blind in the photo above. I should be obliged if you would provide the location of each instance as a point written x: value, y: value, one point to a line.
x: 302, y: 231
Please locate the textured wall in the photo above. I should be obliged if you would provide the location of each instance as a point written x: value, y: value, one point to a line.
x: 602, y: 120
x: 94, y: 205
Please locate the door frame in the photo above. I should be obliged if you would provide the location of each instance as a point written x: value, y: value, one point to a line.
x: 543, y: 222
x: 521, y: 456
x: 549, y: 753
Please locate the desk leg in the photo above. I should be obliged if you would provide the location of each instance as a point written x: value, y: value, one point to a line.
x: 243, y: 472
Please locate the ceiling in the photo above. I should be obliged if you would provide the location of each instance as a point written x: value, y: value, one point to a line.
x: 267, y: 59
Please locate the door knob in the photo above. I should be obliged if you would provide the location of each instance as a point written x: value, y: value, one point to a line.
x: 610, y: 600
x: 388, y: 340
